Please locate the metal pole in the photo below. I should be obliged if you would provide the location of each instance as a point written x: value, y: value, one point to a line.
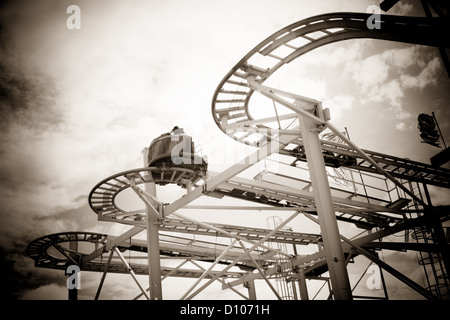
x: 439, y: 236
x: 392, y: 271
x: 250, y: 285
x: 302, y: 284
x: 382, y: 264
x: 440, y: 132
x: 324, y: 203
x: 104, y: 275
x: 73, y: 293
x: 154, y: 261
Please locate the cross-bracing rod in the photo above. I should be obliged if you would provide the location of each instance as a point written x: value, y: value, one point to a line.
x: 384, y: 265
x: 131, y: 272
x: 253, y: 247
x: 104, y: 275
x: 206, y: 272
x: 220, y: 280
x: 260, y: 271
x: 164, y: 277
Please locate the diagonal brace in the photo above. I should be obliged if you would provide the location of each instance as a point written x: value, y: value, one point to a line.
x: 221, y: 281
x: 206, y: 272
x: 260, y: 270
x: 376, y: 165
x: 386, y: 267
x: 148, y: 199
x: 253, y: 247
x: 130, y: 270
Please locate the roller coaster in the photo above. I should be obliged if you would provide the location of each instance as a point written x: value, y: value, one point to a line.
x: 380, y: 194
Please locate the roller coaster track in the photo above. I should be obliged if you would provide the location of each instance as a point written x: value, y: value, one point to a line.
x: 230, y: 104
x: 103, y: 201
x: 230, y: 109
x: 51, y: 252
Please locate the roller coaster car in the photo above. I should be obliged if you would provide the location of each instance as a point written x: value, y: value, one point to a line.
x: 175, y: 149
x: 331, y: 159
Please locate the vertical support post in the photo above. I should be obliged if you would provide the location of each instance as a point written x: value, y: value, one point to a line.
x: 73, y: 293
x: 302, y: 284
x: 325, y: 210
x: 250, y: 285
x: 294, y: 289
x: 154, y: 261
x: 439, y: 236
x: 439, y: 129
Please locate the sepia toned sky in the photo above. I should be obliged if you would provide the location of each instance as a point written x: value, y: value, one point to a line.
x: 80, y: 105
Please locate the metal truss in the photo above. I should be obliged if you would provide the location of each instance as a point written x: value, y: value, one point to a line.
x: 398, y: 203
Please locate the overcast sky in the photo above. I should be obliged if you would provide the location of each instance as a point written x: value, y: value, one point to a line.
x: 80, y: 105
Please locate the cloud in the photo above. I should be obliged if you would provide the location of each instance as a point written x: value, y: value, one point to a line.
x: 402, y: 8
x: 387, y: 78
x: 339, y: 105
x: 47, y: 292
x: 19, y: 274
x: 392, y: 93
x: 402, y: 126
x: 370, y: 72
x: 440, y: 196
x: 426, y: 77
x: 402, y: 57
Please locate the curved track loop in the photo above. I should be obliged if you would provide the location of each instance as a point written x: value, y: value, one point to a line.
x: 230, y: 105
x: 231, y: 98
x: 103, y: 195
x: 38, y: 249
x: 102, y: 198
x: 53, y: 251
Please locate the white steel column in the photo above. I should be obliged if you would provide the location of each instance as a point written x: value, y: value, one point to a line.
x: 154, y: 261
x: 302, y: 284
x: 324, y: 203
x: 250, y: 285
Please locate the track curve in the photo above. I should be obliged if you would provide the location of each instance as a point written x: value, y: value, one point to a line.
x: 231, y: 98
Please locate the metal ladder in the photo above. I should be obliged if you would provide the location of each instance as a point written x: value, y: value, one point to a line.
x: 436, y: 278
x: 285, y: 285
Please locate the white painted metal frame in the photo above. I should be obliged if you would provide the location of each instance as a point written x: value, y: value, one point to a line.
x: 247, y: 78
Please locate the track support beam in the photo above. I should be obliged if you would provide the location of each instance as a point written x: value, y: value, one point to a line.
x: 154, y: 260
x: 325, y: 209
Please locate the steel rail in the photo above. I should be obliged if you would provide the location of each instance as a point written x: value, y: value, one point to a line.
x: 230, y: 102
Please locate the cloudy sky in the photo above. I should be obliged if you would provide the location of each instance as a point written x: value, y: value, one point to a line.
x: 80, y: 105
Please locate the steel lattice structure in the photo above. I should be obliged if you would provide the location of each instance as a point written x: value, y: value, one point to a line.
x: 251, y: 253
